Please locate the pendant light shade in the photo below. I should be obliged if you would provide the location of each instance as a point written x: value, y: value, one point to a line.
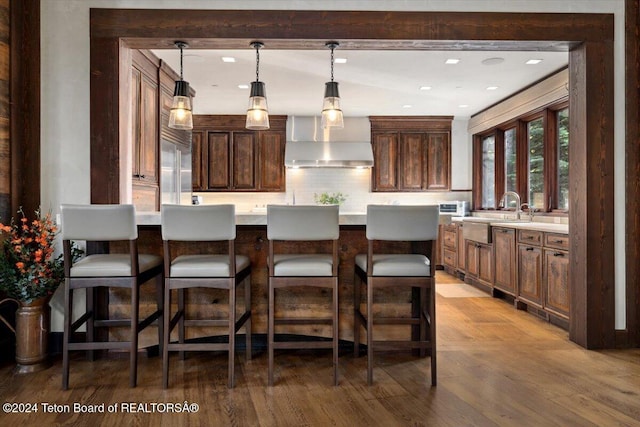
x: 331, y: 111
x: 257, y: 113
x: 181, y: 116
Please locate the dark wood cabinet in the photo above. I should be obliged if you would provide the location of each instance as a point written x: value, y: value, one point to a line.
x: 504, y: 245
x: 144, y: 131
x: 385, y: 160
x: 461, y: 267
x: 479, y: 264
x: 411, y: 153
x: 449, y: 247
x: 231, y: 158
x: 530, y: 267
x: 556, y: 274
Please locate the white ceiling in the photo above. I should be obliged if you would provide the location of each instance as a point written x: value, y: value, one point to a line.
x: 371, y: 82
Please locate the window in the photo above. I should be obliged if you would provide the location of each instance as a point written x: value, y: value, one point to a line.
x: 510, y: 164
x: 562, y: 141
x: 535, y: 160
x: 528, y: 155
x: 488, y: 172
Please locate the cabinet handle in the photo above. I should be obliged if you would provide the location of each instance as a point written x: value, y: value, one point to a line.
x: 136, y: 175
x: 504, y: 231
x: 142, y: 176
x: 529, y: 249
x: 558, y: 241
x: 528, y: 237
x: 558, y: 254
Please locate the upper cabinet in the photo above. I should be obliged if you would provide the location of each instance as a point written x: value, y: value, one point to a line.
x: 411, y: 153
x: 228, y: 157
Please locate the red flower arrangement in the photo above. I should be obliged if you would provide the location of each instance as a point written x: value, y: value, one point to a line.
x: 28, y: 269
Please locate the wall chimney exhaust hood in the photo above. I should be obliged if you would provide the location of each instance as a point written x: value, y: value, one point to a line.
x: 310, y: 146
x: 328, y: 154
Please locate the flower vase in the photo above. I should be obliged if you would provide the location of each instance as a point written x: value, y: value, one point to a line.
x: 32, y: 336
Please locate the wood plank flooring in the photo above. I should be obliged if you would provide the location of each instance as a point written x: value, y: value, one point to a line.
x: 496, y: 367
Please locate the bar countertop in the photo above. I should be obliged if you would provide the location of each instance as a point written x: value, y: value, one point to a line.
x: 254, y: 218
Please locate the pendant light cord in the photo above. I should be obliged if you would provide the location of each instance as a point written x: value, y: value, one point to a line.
x: 332, y: 62
x: 257, y: 62
x: 181, y: 62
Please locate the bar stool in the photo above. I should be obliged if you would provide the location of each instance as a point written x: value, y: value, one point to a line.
x: 204, y: 223
x: 399, y: 223
x: 302, y: 224
x: 106, y: 223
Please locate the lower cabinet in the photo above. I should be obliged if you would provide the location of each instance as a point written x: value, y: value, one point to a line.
x: 449, y: 238
x: 479, y: 264
x: 556, y: 274
x: 504, y: 246
x: 530, y: 274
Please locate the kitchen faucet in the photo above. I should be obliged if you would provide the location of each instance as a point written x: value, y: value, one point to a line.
x: 503, y: 201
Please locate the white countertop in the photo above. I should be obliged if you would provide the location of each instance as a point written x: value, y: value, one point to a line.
x: 253, y: 218
x: 522, y: 225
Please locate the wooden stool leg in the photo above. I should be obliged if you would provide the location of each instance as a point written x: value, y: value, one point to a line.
x: 181, y: 321
x: 133, y: 349
x: 90, y: 303
x: 336, y: 331
x: 432, y: 330
x: 247, y: 309
x: 369, y: 330
x: 423, y: 320
x: 68, y: 304
x: 160, y: 309
x: 270, y: 332
x: 166, y: 317
x: 357, y: 283
x: 232, y: 331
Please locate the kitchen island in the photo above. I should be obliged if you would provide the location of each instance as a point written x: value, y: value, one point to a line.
x: 251, y: 240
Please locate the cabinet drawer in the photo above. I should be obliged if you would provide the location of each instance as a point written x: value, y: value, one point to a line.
x: 449, y: 258
x: 560, y: 241
x: 450, y: 238
x: 531, y: 237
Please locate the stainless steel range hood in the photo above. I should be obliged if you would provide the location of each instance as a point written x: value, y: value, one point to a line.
x: 310, y: 146
x: 328, y: 155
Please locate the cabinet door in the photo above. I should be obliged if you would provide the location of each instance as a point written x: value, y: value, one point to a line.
x: 449, y: 243
x: 218, y: 160
x: 244, y: 161
x: 198, y: 166
x: 504, y: 243
x: 149, y: 130
x: 271, y: 161
x: 556, y: 280
x: 385, y: 161
x: 411, y: 161
x: 136, y: 76
x: 485, y: 264
x: 461, y: 247
x: 438, y: 151
x: 471, y: 254
x: 530, y: 274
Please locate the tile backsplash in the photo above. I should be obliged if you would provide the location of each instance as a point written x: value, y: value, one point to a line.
x: 354, y: 184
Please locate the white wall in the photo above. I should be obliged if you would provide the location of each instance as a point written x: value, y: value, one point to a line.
x: 65, y: 88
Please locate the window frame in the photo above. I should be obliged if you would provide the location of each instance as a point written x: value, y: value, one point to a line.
x: 549, y: 122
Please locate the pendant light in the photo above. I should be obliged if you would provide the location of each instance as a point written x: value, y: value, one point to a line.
x: 257, y: 114
x: 180, y: 116
x: 331, y: 112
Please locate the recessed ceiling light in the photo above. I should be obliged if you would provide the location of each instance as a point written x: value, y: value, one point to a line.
x: 340, y: 60
x: 533, y: 61
x: 492, y: 87
x: 492, y: 61
x: 243, y: 86
x: 228, y: 59
x: 462, y: 106
x: 425, y: 87
x: 407, y: 106
x: 452, y: 61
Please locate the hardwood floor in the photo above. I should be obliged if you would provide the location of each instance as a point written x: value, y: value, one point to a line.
x: 496, y: 366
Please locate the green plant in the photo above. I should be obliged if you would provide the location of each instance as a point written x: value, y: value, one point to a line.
x: 28, y: 269
x: 329, y: 199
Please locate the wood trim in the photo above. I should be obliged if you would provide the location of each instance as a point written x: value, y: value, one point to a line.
x: 632, y: 170
x: 411, y: 123
x: 25, y: 105
x: 232, y: 122
x: 589, y: 39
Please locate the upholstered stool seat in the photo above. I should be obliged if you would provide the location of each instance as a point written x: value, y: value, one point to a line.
x: 202, y: 225
x: 419, y: 226
x: 116, y: 265
x: 291, y: 225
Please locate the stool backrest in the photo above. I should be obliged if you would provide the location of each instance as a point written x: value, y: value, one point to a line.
x: 98, y: 222
x: 198, y: 222
x: 303, y: 222
x: 402, y: 223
